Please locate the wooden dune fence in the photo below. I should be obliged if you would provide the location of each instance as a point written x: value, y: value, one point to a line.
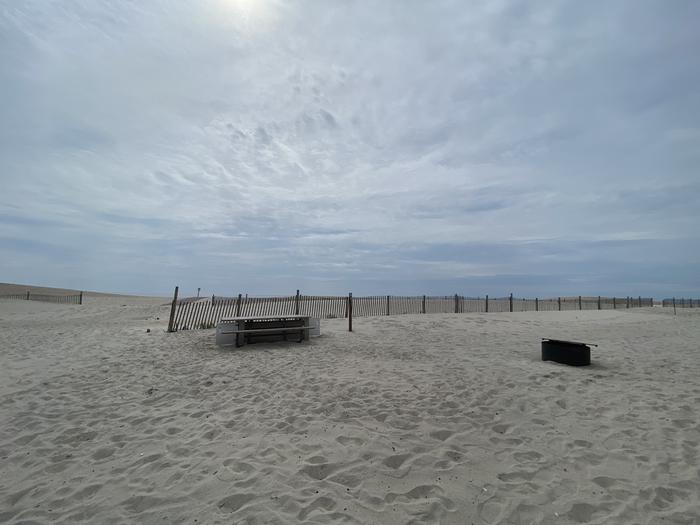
x: 196, y: 313
x: 46, y: 298
x: 680, y: 303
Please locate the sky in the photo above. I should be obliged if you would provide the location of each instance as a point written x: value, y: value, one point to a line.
x: 381, y: 147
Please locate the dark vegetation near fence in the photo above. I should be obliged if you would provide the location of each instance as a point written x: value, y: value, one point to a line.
x: 194, y: 312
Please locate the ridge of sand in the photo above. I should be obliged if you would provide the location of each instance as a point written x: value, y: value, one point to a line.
x: 14, y: 288
x: 423, y: 419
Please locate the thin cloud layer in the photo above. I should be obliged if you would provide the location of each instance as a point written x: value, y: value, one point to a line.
x: 263, y: 146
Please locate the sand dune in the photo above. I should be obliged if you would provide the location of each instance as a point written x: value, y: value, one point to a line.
x: 423, y: 419
x: 11, y: 288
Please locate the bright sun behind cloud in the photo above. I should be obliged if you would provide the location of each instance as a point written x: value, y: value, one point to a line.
x: 250, y: 16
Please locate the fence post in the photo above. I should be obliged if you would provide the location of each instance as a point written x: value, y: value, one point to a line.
x: 456, y: 304
x: 628, y: 301
x: 296, y: 306
x: 614, y: 304
x: 172, y: 309
x: 238, y: 305
x: 640, y: 301
x: 511, y: 302
x: 559, y: 303
x: 599, y: 302
x: 80, y: 301
x: 350, y: 312
x: 387, y: 305
x: 423, y: 306
x: 487, y: 303
x: 537, y: 304
x: 579, y: 303
x: 674, y: 306
x: 27, y: 295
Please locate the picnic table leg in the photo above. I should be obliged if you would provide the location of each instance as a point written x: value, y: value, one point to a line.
x: 244, y: 336
x: 303, y: 333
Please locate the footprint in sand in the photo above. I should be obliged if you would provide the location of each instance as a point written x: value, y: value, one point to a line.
x: 442, y: 435
x: 103, y: 453
x: 322, y: 503
x: 604, y: 481
x: 396, y: 461
x: 454, y: 455
x: 527, y: 457
x: 500, y: 428
x: 235, y: 502
x: 319, y: 471
x: 418, y: 493
x: 525, y: 513
x: 346, y: 479
x: 582, y: 512
x: 350, y: 441
x: 516, y: 476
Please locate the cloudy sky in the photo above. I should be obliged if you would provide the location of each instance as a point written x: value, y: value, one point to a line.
x: 260, y: 146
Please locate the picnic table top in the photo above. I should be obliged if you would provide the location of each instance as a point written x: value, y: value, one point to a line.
x: 263, y: 318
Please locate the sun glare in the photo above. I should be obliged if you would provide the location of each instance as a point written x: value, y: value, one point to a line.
x: 247, y: 15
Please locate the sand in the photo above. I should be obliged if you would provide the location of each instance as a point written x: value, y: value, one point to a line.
x: 423, y: 419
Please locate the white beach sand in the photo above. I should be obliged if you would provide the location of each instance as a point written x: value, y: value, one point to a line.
x: 425, y: 419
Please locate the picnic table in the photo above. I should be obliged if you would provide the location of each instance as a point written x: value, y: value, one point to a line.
x: 239, y: 331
